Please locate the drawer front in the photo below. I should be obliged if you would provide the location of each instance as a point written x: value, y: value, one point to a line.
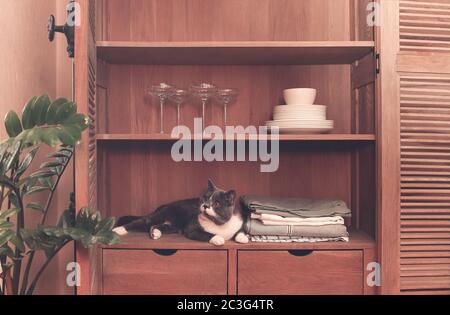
x: 300, y: 272
x: 164, y: 272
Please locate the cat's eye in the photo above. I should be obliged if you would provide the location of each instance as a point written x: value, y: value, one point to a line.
x: 216, y: 204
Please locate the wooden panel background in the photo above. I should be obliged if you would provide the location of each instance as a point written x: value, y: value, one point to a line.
x: 141, y: 176
x: 129, y: 111
x: 31, y: 65
x: 196, y: 20
x: 359, y: 11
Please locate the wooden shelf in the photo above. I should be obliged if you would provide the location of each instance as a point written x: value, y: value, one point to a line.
x: 233, y: 53
x: 285, y: 137
x: 358, y: 240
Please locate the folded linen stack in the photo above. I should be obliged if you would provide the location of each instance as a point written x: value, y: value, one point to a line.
x: 295, y: 219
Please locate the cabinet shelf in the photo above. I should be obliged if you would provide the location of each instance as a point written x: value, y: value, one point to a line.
x: 284, y: 137
x: 234, y: 53
x: 358, y: 240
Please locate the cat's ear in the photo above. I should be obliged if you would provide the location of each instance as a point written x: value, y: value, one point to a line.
x: 231, y: 196
x: 211, y: 185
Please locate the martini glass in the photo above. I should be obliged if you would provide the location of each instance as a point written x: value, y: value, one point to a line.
x: 226, y: 97
x: 162, y: 91
x: 179, y: 97
x: 203, y: 91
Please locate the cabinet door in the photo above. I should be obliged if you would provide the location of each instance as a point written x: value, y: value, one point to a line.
x: 85, y: 63
x: 414, y: 87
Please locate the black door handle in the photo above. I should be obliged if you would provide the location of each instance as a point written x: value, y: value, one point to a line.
x: 66, y: 29
x: 165, y: 252
x: 300, y: 253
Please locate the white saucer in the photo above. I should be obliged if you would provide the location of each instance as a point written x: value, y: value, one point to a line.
x: 304, y: 130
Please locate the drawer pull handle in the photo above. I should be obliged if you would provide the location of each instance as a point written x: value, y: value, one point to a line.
x: 165, y: 252
x: 300, y: 253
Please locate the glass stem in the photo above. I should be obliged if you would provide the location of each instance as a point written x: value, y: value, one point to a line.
x: 178, y: 117
x: 203, y: 112
x: 225, y: 115
x: 161, y: 108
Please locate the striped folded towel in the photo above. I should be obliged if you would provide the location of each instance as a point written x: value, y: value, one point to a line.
x: 291, y: 239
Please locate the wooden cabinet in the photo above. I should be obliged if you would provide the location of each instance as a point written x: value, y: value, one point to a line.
x: 384, y: 83
x: 185, y: 272
x: 174, y: 265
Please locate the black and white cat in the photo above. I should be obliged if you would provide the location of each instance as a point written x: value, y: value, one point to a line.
x: 211, y: 218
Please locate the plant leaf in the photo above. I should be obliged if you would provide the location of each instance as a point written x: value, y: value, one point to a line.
x: 5, y: 236
x: 17, y: 241
x: 60, y: 154
x: 26, y: 162
x: 27, y: 114
x: 8, y: 213
x: 84, y: 230
x: 6, y: 251
x: 53, y: 108
x: 13, y: 124
x: 39, y: 110
x: 33, y: 136
x: 43, y: 173
x: 79, y: 120
x: 106, y: 225
x: 50, y: 137
x: 35, y: 206
x: 66, y: 137
x: 64, y: 111
x: 47, y: 182
x: 51, y: 164
x: 14, y: 156
x: 6, y: 225
x: 36, y: 190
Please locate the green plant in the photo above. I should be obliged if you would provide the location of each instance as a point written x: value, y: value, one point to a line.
x: 58, y: 125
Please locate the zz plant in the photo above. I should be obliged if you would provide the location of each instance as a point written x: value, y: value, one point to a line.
x: 58, y: 125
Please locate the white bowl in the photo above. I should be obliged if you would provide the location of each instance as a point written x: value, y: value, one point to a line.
x: 300, y: 107
x: 304, y: 96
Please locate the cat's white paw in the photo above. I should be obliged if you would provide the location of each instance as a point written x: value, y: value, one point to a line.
x: 217, y: 240
x: 241, y: 238
x: 120, y: 231
x: 155, y: 234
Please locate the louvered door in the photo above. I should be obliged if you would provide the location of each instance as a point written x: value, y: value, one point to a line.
x: 425, y: 182
x: 85, y: 95
x: 425, y: 147
x: 417, y: 65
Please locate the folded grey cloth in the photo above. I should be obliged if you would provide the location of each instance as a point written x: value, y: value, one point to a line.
x: 255, y: 227
x: 296, y: 207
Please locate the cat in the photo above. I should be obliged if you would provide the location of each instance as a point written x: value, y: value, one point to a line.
x: 211, y: 218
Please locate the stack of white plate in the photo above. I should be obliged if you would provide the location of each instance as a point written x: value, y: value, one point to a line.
x: 300, y: 118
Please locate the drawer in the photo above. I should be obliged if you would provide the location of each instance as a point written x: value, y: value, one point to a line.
x: 300, y: 272
x: 185, y: 272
